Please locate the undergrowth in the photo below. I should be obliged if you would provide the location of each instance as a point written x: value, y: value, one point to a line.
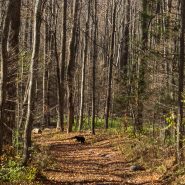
x: 156, y: 156
x: 11, y: 170
x: 152, y: 153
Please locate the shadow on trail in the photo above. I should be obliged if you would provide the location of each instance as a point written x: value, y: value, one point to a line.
x: 90, y: 163
x: 50, y: 182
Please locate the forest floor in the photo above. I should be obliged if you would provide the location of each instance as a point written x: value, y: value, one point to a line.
x: 98, y: 161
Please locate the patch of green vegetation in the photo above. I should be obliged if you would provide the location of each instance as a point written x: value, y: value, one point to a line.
x: 13, y: 172
x: 17, y: 141
x: 99, y: 123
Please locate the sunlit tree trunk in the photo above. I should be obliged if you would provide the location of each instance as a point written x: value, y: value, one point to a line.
x: 61, y: 91
x: 32, y: 82
x: 86, y: 42
x: 71, y: 69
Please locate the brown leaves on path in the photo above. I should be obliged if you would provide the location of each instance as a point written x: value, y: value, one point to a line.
x: 96, y: 162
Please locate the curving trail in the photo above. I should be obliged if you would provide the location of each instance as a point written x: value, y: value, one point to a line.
x: 95, y: 162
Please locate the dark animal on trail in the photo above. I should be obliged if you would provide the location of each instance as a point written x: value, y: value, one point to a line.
x: 79, y: 138
x: 137, y: 168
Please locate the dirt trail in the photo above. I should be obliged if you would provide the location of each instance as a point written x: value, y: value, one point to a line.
x: 97, y: 162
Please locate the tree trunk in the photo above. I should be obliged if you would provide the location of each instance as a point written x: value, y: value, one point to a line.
x: 179, y: 154
x: 33, y: 72
x: 10, y: 38
x: 107, y: 109
x: 12, y: 69
x: 125, y: 43
x: 86, y: 42
x: 94, y: 68
x: 4, y: 58
x: 45, y: 121
x: 142, y: 67
x: 71, y: 70
x: 61, y: 91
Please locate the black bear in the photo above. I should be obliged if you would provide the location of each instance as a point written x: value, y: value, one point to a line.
x: 80, y: 138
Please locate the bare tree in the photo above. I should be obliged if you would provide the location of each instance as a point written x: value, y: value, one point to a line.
x: 61, y: 90
x: 12, y: 68
x: 179, y: 155
x: 111, y: 60
x: 86, y: 43
x: 95, y: 36
x: 9, y: 64
x: 32, y: 82
x: 143, y: 65
x: 71, y: 69
x: 45, y: 121
x: 4, y: 58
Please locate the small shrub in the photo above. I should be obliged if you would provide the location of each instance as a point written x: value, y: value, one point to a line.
x: 13, y: 172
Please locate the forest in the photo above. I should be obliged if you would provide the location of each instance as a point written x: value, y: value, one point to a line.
x: 92, y: 92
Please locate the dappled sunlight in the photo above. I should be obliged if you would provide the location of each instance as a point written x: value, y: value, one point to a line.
x: 96, y: 161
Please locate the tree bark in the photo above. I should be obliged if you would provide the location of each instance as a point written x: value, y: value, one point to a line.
x: 107, y: 109
x: 4, y: 58
x: 12, y: 69
x: 125, y: 43
x: 71, y: 70
x: 142, y: 67
x: 86, y: 42
x: 32, y: 82
x: 45, y: 121
x: 179, y: 154
x: 61, y: 90
x: 95, y: 20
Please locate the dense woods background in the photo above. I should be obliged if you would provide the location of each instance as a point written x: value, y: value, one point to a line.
x: 92, y: 64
